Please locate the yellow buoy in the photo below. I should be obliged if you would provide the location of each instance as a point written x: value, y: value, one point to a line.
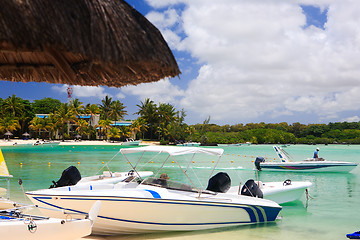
x: 193, y: 161
x: 21, y: 163
x: 78, y: 162
x: 152, y: 162
x: 232, y: 161
x: 213, y: 161
x: 49, y: 163
x: 102, y: 162
x: 172, y: 161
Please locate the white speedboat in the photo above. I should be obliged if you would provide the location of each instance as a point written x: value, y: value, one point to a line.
x: 308, y: 165
x: 279, y: 192
x: 157, y: 204
x: 16, y: 225
x: 189, y: 144
x: 131, y: 142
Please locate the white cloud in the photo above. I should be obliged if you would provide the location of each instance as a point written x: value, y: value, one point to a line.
x: 259, y: 61
x: 82, y: 91
x: 162, y: 91
x: 351, y: 119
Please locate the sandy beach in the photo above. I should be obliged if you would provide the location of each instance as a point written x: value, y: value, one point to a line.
x: 12, y: 142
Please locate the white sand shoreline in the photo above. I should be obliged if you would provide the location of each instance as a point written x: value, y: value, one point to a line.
x: 71, y: 142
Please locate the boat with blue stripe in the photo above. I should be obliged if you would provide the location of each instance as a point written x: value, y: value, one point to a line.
x: 308, y: 165
x: 158, y: 203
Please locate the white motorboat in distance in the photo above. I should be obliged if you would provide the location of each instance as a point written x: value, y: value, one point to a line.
x: 189, y: 144
x: 308, y: 165
x: 131, y: 142
x: 160, y: 204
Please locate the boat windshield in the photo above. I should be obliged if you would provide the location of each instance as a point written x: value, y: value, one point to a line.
x: 168, y: 184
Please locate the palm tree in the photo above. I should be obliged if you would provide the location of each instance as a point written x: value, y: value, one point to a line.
x: 125, y: 132
x: 37, y: 124
x: 148, y: 111
x: 64, y: 115
x: 114, y: 133
x: 135, y: 127
x: 77, y: 107
x: 13, y: 106
x: 105, y: 107
x: 93, y: 110
x: 167, y: 113
x: 8, y: 124
x: 117, y: 111
x: 82, y: 126
x: 104, y: 126
x: 50, y: 124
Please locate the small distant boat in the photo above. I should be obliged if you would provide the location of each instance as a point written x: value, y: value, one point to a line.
x: 354, y: 235
x: 308, y: 165
x: 189, y: 144
x: 16, y: 225
x: 131, y: 142
x: 229, y: 145
x: 37, y: 143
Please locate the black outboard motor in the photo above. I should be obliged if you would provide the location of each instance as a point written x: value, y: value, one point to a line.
x: 251, y: 189
x: 258, y: 161
x: 69, y: 177
x: 220, y: 182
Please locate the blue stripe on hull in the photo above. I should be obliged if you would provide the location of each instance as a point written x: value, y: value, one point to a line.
x: 270, y: 212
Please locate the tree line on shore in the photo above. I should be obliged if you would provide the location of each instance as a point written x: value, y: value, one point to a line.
x: 153, y: 121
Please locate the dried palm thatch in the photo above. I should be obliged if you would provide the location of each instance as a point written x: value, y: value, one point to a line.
x: 81, y: 42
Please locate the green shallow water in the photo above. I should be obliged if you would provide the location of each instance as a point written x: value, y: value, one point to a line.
x: 332, y: 212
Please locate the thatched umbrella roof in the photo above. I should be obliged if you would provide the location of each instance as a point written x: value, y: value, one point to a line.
x: 82, y: 42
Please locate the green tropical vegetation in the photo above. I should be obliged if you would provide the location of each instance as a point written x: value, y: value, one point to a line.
x: 161, y: 122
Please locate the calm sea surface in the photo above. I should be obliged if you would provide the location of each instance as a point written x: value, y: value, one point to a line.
x: 333, y: 211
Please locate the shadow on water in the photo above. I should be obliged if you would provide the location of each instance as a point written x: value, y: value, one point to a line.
x: 200, y: 234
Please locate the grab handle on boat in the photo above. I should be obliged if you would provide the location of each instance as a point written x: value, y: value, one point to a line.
x: 287, y: 182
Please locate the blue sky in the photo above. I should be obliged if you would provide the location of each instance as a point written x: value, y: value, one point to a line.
x: 245, y: 61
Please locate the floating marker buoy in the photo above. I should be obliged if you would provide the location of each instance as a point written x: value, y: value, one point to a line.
x: 127, y: 162
x: 49, y: 163
x: 172, y: 161
x: 152, y: 162
x: 21, y: 163
x: 193, y: 161
x: 78, y: 162
x: 213, y: 161
x: 232, y: 161
x: 102, y: 162
x: 245, y: 156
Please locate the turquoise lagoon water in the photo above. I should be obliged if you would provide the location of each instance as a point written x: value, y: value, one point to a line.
x: 332, y: 212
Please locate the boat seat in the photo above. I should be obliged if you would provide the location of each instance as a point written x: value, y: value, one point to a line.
x: 122, y: 185
x: 101, y: 186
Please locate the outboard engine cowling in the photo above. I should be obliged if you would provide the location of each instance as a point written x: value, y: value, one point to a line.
x: 220, y: 182
x: 69, y: 177
x: 258, y: 161
x: 251, y: 189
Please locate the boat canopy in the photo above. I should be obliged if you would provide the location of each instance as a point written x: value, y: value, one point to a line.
x: 174, y: 151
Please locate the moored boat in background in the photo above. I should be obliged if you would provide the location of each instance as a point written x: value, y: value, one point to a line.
x: 308, y: 165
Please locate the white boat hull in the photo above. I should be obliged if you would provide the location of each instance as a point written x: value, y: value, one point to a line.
x: 146, y: 211
x: 308, y: 166
x: 46, y: 229
x: 278, y: 191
